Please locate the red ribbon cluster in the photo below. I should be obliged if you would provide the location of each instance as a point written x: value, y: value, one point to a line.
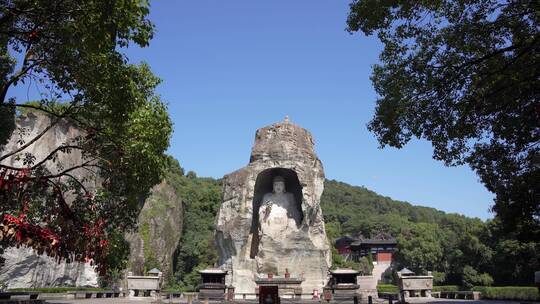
x: 17, y: 230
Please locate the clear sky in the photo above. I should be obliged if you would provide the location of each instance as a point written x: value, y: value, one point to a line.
x: 231, y: 67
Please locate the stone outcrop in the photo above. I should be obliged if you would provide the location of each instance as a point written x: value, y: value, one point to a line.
x: 29, y: 125
x: 159, y: 232
x: 245, y: 249
x: 24, y: 268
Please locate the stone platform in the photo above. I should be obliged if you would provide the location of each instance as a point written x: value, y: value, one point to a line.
x: 283, y: 301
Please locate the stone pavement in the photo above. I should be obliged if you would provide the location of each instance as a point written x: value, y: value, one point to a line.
x: 378, y: 301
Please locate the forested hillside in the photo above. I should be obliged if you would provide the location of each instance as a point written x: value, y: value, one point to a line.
x: 461, y: 250
x: 349, y: 210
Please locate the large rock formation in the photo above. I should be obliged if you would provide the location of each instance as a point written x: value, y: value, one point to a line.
x: 24, y: 268
x: 250, y: 246
x: 159, y: 232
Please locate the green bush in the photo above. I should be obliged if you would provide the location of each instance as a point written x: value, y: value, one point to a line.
x: 520, y: 293
x: 394, y: 288
x: 471, y: 278
x: 387, y: 288
x: 446, y: 288
x: 439, y: 277
x: 58, y: 289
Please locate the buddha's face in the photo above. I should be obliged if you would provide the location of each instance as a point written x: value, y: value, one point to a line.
x: 279, y: 187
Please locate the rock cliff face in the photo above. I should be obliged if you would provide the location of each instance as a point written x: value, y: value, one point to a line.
x: 160, y: 220
x: 159, y: 232
x: 250, y: 246
x: 23, y: 268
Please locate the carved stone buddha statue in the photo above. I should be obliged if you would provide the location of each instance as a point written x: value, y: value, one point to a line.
x: 278, y: 212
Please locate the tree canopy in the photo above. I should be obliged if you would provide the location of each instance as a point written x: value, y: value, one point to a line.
x: 463, y: 74
x: 72, y: 51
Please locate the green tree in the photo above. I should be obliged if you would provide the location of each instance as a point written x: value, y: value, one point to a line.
x: 419, y: 247
x: 471, y: 278
x: 463, y: 75
x: 196, y: 250
x: 515, y: 262
x: 71, y: 50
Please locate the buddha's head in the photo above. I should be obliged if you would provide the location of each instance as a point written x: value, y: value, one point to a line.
x: 278, y: 184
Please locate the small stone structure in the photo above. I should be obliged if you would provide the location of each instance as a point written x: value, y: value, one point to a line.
x: 147, y: 285
x: 411, y: 285
x: 212, y: 285
x: 343, y: 284
x: 270, y: 217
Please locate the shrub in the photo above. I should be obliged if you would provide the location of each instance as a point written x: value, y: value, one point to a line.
x: 365, y: 265
x: 484, y: 279
x: 446, y: 288
x: 438, y: 277
x: 471, y: 278
x: 387, y: 288
x: 519, y: 293
x: 57, y: 289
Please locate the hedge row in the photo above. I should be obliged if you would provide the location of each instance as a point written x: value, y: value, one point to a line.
x: 394, y: 288
x: 493, y: 293
x: 509, y: 293
x: 58, y: 289
x: 446, y: 288
x: 387, y: 288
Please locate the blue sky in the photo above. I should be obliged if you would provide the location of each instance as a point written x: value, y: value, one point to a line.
x: 231, y: 67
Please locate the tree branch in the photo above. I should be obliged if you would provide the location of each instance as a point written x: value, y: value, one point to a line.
x: 76, y: 180
x: 52, y: 124
x: 53, y: 152
x: 15, y: 77
x: 490, y: 55
x: 62, y: 173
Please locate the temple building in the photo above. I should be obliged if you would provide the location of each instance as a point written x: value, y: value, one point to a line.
x: 381, y: 249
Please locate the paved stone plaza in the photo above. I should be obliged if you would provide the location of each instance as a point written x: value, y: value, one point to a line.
x: 380, y: 301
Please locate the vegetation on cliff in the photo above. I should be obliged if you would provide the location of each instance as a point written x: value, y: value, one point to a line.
x: 200, y: 201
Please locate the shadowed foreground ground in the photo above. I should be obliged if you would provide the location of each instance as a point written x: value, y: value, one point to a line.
x: 380, y: 301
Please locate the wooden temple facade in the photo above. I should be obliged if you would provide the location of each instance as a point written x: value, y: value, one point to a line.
x: 353, y: 249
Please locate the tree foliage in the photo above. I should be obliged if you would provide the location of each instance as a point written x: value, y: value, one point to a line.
x: 420, y: 247
x: 465, y: 76
x: 472, y: 278
x: 201, y: 199
x: 71, y: 51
